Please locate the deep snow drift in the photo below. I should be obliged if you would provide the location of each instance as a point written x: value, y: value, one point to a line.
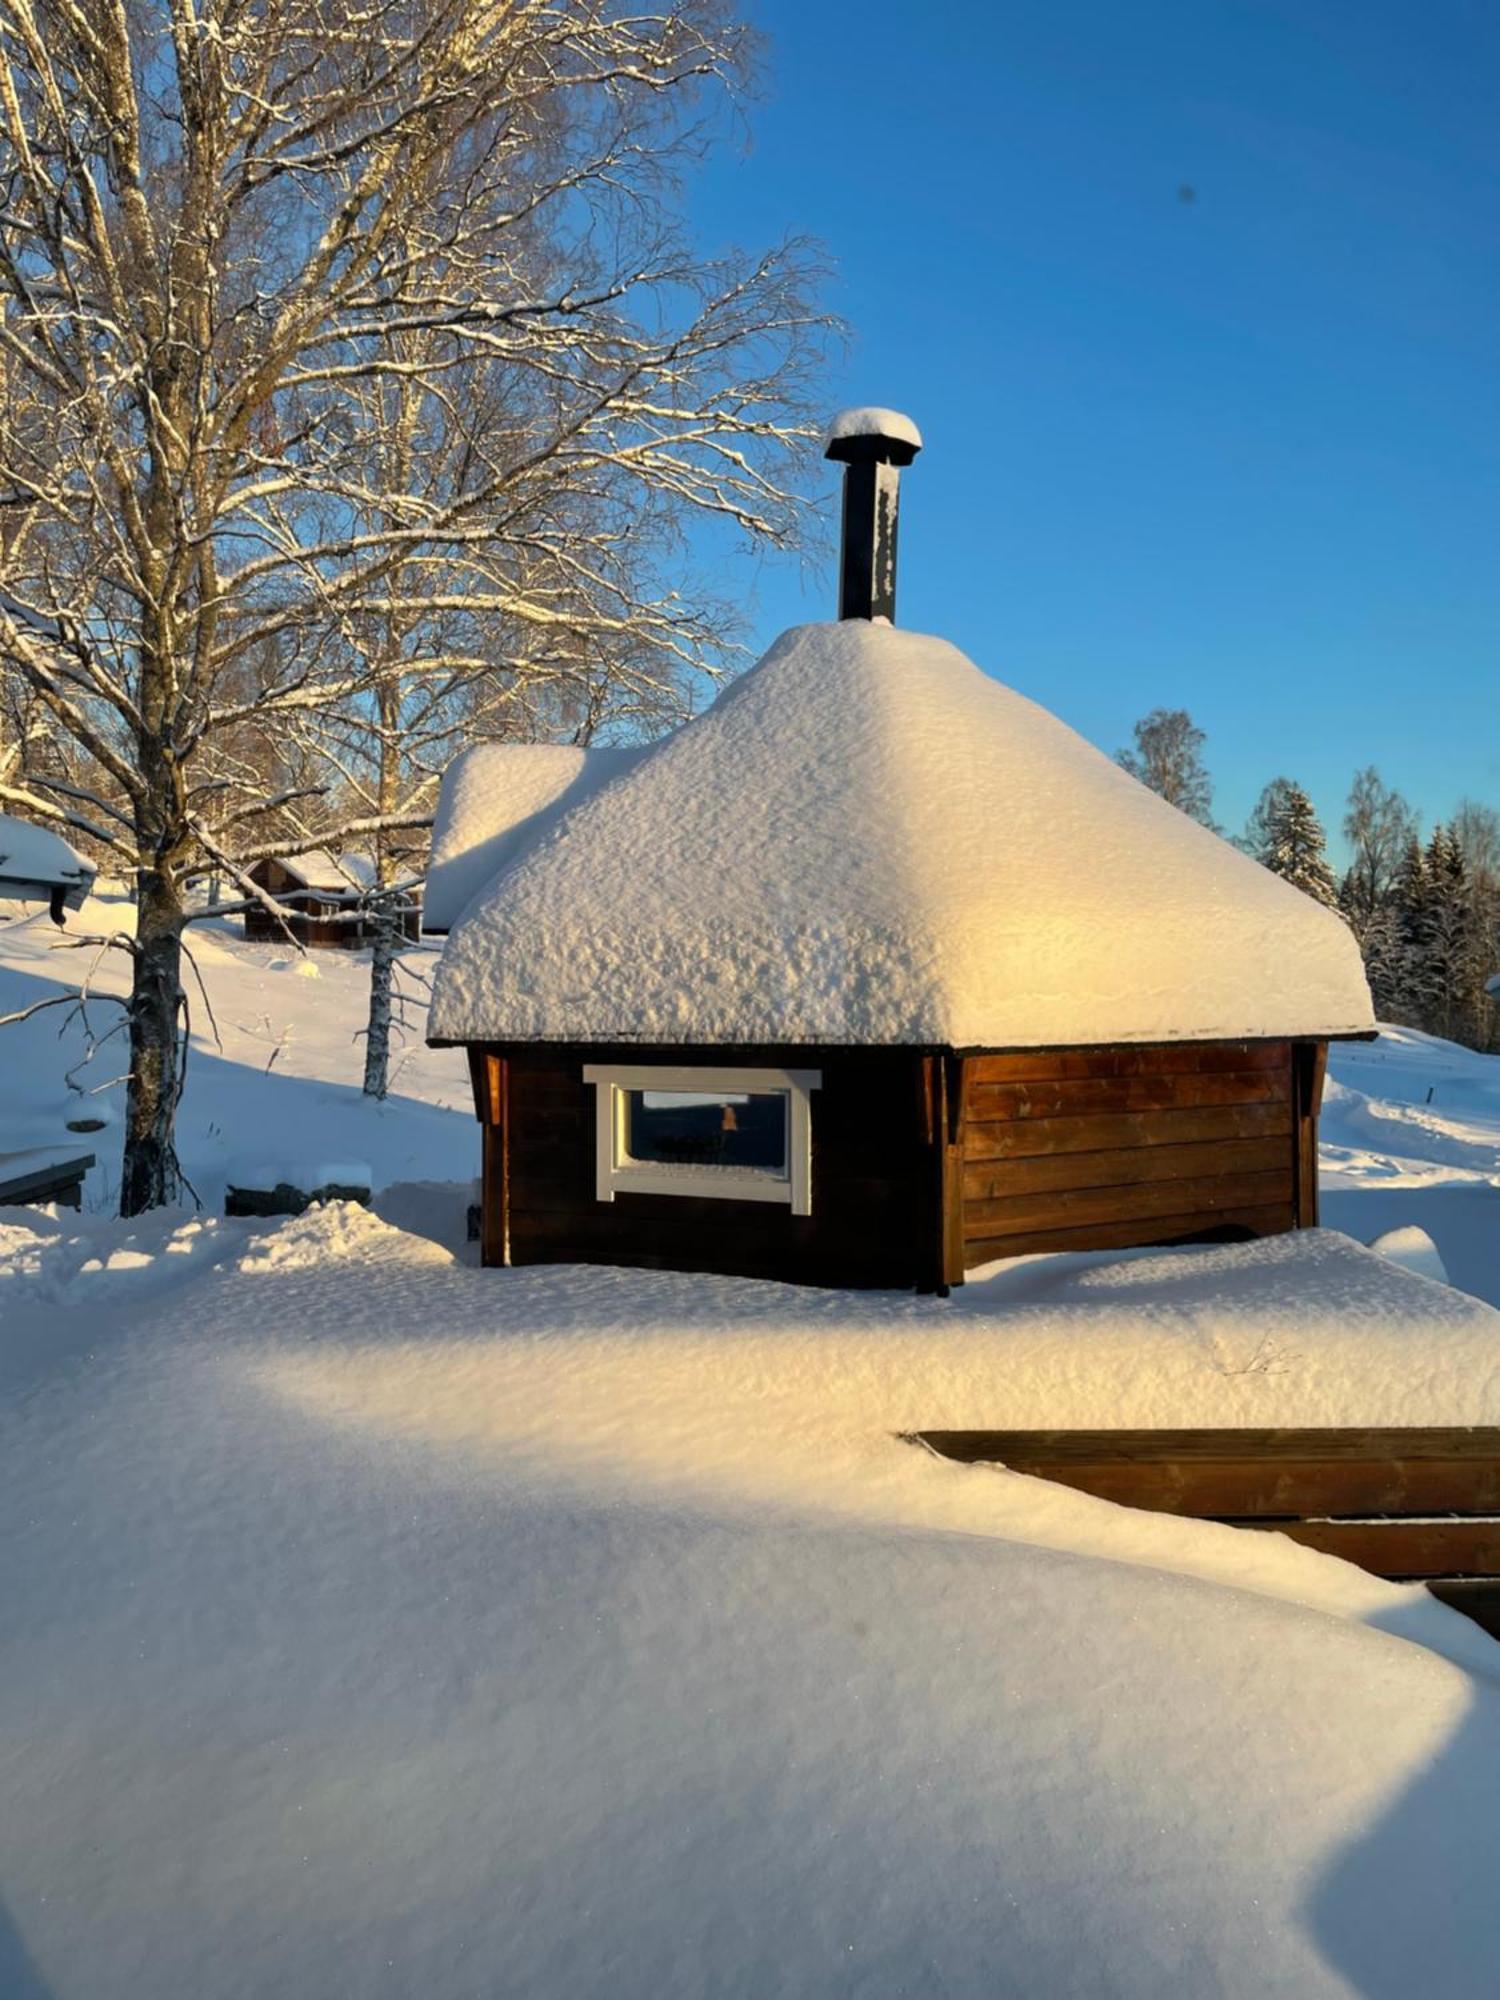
x: 377, y: 1626
x: 380, y: 1626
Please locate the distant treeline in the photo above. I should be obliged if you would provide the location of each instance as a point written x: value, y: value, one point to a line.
x: 1426, y: 913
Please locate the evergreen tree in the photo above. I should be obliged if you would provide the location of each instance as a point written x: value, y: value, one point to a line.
x: 1411, y: 988
x: 1259, y: 833
x: 1381, y: 948
x: 1289, y: 840
x: 1476, y: 828
x: 1452, y: 976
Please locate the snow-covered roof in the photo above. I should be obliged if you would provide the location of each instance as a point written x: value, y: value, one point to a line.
x: 866, y: 840
x: 498, y: 799
x: 872, y: 421
x: 34, y: 861
x: 316, y: 868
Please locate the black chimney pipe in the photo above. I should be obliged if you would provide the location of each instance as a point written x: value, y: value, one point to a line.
x: 872, y: 446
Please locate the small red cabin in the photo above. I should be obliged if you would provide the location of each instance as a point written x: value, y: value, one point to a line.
x: 871, y: 974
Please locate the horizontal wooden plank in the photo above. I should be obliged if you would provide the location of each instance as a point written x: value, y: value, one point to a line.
x: 662, y: 1223
x: 1129, y: 1059
x: 854, y: 1206
x: 1141, y: 1232
x: 39, y: 1183
x: 986, y: 1179
x: 1473, y: 1444
x: 1073, y: 1096
x: 1406, y: 1550
x: 1476, y: 1597
x: 1070, y: 1208
x: 1245, y: 1475
x: 1107, y: 1131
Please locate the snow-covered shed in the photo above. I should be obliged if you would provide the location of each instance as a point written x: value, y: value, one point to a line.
x: 38, y: 866
x: 326, y: 895
x: 874, y: 972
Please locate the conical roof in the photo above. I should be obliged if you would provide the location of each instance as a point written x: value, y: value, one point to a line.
x: 866, y: 840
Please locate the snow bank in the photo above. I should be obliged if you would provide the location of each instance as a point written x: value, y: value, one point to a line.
x: 496, y: 799
x: 376, y: 1627
x: 1414, y: 1250
x: 866, y: 840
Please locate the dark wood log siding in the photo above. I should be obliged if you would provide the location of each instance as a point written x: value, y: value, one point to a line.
x: 925, y: 1163
x: 878, y: 1171
x: 1099, y: 1149
x: 262, y: 928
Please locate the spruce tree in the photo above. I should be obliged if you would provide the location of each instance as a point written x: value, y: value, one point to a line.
x: 1452, y: 973
x: 1412, y: 993
x: 1289, y: 840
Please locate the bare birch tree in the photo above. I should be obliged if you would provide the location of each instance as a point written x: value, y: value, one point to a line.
x: 231, y: 230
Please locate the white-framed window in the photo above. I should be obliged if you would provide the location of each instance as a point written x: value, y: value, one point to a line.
x: 733, y: 1134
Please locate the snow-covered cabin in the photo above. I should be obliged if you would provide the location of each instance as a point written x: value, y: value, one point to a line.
x: 319, y: 885
x: 38, y: 866
x: 872, y: 973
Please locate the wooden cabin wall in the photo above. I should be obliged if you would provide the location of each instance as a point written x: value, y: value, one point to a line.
x: 878, y: 1186
x: 1095, y: 1149
x: 262, y: 928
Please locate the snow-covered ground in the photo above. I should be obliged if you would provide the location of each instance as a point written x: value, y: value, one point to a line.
x: 1411, y: 1138
x: 275, y: 1069
x: 376, y: 1626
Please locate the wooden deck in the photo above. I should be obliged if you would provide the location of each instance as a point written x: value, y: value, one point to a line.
x: 1412, y: 1505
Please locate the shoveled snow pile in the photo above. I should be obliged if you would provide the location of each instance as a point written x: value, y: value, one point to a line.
x: 867, y: 840
x: 377, y: 1626
x: 496, y: 800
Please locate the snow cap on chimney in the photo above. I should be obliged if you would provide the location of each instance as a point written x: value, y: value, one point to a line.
x: 872, y: 445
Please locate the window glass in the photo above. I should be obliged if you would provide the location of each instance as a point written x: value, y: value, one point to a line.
x: 694, y: 1128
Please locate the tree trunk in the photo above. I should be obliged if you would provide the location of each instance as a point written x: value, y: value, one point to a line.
x: 387, y: 916
x: 378, y: 1028
x: 150, y: 1177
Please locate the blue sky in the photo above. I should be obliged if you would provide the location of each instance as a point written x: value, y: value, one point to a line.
x: 1238, y: 454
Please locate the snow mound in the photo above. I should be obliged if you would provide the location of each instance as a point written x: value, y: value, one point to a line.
x: 335, y: 1231
x: 1414, y: 1250
x: 867, y: 840
x: 377, y: 1627
x: 62, y: 1259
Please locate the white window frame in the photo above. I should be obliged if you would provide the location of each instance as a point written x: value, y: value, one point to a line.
x: 616, y: 1173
